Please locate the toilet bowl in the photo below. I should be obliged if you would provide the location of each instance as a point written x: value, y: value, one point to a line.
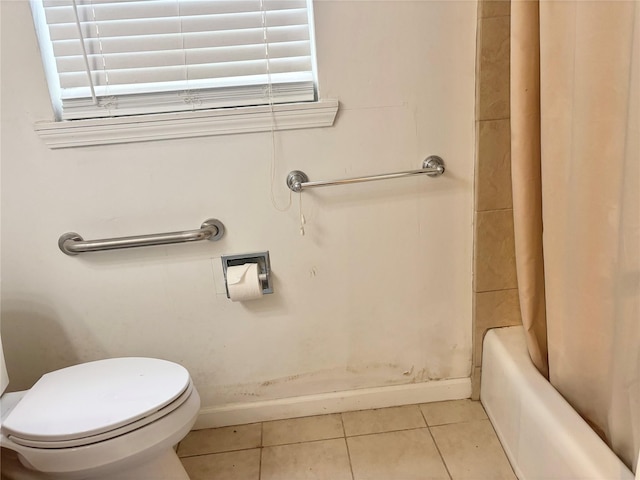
x: 109, y: 419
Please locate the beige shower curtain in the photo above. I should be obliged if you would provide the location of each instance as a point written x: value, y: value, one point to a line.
x: 575, y: 107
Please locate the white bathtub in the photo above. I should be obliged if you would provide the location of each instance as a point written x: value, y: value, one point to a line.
x: 544, y: 438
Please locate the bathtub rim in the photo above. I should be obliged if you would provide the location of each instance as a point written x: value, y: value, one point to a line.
x: 528, y: 414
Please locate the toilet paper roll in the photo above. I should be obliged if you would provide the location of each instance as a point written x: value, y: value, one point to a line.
x: 243, y: 282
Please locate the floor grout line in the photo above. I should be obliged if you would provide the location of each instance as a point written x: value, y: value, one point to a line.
x: 444, y: 463
x: 446, y: 467
x: 220, y: 452
x: 436, y: 445
x: 388, y: 431
x: 261, y: 450
x: 304, y: 441
x: 344, y: 433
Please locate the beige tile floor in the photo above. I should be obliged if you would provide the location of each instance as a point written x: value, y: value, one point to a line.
x: 451, y: 440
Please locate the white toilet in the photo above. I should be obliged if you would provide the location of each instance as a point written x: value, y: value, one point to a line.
x: 111, y: 419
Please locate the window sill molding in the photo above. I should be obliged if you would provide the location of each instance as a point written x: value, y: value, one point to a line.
x: 164, y: 126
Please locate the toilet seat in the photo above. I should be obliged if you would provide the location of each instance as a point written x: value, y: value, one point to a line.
x: 96, y: 401
x: 82, y: 441
x: 117, y: 454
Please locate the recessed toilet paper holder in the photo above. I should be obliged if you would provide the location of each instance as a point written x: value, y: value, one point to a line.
x: 264, y: 268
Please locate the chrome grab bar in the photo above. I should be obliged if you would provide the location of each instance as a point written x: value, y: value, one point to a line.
x: 432, y: 166
x: 72, y: 244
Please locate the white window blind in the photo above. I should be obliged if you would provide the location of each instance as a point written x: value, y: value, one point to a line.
x: 127, y: 57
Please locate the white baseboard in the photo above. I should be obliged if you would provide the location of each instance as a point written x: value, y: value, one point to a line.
x: 334, y: 402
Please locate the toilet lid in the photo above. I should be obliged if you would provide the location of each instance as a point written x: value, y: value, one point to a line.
x: 95, y: 397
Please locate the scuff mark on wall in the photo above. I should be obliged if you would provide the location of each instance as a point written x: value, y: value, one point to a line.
x: 328, y: 380
x: 290, y: 378
x: 357, y: 369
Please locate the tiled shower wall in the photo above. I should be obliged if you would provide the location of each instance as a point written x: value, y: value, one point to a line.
x: 495, y: 288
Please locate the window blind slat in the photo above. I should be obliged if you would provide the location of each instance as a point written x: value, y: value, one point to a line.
x: 129, y: 10
x: 180, y: 72
x: 176, y: 89
x: 182, y: 24
x: 189, y: 5
x: 177, y: 41
x: 177, y: 57
x: 159, y: 49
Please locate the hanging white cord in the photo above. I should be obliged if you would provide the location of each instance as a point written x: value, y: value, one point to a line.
x: 84, y: 53
x: 302, y: 219
x: 265, y: 39
x: 102, y: 56
x: 189, y: 97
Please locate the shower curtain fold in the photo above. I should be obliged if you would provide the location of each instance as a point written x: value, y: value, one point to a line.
x: 526, y: 179
x: 575, y: 111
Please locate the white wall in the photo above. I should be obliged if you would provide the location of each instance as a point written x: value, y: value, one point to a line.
x: 378, y: 291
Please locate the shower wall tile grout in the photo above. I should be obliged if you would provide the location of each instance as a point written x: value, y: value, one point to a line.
x: 495, y: 293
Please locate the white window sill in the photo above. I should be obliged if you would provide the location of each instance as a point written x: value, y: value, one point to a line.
x: 163, y: 126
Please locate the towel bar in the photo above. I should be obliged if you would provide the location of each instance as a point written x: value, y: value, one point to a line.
x: 432, y: 166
